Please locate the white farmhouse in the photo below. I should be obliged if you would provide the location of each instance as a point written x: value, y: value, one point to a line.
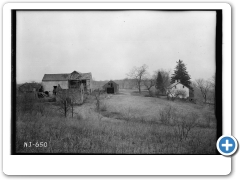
x: 177, y: 89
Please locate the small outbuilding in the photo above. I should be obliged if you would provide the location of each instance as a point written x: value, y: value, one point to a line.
x: 29, y: 87
x: 111, y: 87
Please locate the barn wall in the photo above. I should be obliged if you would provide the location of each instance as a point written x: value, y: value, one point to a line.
x: 180, y: 87
x: 48, y: 85
x: 89, y: 84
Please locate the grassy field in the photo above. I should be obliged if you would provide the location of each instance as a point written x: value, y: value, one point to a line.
x: 126, y: 123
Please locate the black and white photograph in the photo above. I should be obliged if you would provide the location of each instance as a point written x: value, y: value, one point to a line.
x: 124, y: 82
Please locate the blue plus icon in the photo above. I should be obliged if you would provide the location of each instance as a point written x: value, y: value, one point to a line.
x: 227, y: 145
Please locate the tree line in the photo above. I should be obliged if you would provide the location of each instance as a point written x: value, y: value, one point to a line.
x: 161, y: 80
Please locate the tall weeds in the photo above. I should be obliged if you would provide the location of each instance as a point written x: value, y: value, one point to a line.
x: 172, y: 133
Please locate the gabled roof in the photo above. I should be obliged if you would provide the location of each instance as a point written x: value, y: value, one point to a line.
x: 81, y: 75
x: 110, y: 82
x: 65, y: 77
x: 174, y: 84
x: 55, y: 77
x: 86, y: 75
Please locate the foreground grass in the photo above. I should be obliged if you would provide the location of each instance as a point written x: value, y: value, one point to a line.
x: 125, y: 124
x: 95, y: 136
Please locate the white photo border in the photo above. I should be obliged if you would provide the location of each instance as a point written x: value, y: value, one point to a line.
x: 114, y: 164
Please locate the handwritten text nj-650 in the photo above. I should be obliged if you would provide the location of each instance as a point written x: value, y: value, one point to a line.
x: 35, y: 144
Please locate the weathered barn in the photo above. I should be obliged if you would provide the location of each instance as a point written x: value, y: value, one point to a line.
x: 73, y: 80
x: 111, y: 87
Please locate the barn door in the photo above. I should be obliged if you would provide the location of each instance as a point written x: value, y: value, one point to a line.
x: 110, y: 90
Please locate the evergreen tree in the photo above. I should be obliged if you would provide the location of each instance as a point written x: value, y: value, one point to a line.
x: 159, y: 82
x: 180, y: 73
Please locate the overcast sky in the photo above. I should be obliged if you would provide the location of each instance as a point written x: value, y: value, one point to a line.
x: 110, y: 43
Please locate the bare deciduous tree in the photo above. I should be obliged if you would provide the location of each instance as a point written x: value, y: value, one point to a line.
x: 204, y: 87
x: 184, y: 125
x: 64, y: 102
x: 72, y: 103
x: 124, y: 83
x: 149, y: 83
x: 212, y: 81
x: 97, y: 94
x: 138, y: 74
x: 212, y: 89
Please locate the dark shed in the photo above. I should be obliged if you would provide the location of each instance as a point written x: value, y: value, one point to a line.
x: 111, y: 87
